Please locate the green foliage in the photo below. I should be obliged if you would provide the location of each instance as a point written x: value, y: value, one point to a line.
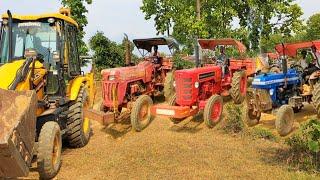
x: 313, y: 26
x: 108, y: 54
x: 256, y: 19
x: 234, y: 120
x: 180, y: 63
x: 262, y: 133
x: 78, y: 13
x: 307, y: 138
x: 305, y: 144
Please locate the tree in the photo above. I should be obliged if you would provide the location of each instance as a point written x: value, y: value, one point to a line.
x: 109, y: 54
x: 313, y: 27
x: 78, y: 13
x: 255, y: 17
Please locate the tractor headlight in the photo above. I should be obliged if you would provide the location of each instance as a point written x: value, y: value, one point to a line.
x: 112, y: 77
x: 174, y: 84
x: 271, y: 91
x: 196, y: 84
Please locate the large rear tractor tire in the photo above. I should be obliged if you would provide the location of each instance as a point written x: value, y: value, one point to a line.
x: 212, y: 113
x: 141, y: 114
x: 79, y: 127
x: 172, y: 102
x: 316, y: 98
x: 284, y: 120
x: 49, y: 150
x: 239, y: 87
x: 169, y: 89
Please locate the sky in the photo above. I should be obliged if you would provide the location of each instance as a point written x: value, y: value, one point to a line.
x: 113, y: 17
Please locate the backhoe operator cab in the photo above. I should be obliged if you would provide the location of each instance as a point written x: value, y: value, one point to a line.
x: 42, y: 92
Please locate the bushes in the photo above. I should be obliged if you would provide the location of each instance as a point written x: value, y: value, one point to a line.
x: 305, y: 145
x: 234, y: 121
x: 262, y: 133
x: 180, y: 63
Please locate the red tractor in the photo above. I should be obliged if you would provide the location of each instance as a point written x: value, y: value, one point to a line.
x: 201, y: 88
x: 133, y: 87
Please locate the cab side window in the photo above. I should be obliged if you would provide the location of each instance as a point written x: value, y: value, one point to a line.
x: 72, y: 51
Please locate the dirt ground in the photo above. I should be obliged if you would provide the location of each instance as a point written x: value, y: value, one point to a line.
x: 167, y: 151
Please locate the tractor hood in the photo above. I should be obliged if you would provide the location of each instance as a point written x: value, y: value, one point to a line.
x: 9, y: 71
x: 126, y: 73
x: 270, y: 80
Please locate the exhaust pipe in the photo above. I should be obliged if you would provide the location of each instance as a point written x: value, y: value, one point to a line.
x: 284, y: 61
x: 10, y: 36
x: 128, y: 50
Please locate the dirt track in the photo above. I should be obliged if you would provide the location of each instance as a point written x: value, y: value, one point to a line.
x: 163, y: 151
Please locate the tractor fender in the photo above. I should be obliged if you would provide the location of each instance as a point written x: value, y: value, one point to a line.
x: 75, y: 86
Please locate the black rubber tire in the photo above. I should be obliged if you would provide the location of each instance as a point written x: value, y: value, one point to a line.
x: 169, y: 89
x: 235, y: 90
x: 208, y: 111
x: 50, y: 134
x: 136, y: 123
x: 77, y: 137
x: 284, y: 120
x: 316, y: 98
x: 172, y: 102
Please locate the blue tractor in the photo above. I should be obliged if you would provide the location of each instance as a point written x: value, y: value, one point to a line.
x: 285, y: 91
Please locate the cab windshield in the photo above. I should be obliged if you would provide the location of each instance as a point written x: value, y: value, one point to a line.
x: 41, y: 36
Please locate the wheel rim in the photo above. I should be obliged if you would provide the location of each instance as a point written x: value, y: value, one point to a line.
x: 86, y: 121
x: 86, y: 125
x: 144, y: 111
x: 243, y: 85
x: 56, y: 149
x: 216, y: 111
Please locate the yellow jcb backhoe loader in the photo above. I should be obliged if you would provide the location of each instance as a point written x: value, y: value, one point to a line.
x: 42, y: 92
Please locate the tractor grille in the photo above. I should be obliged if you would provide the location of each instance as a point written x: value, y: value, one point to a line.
x: 108, y: 94
x: 184, y: 87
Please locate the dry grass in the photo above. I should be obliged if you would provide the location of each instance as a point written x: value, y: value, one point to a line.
x: 186, y: 151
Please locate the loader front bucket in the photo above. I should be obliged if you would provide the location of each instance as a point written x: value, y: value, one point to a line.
x: 17, y: 132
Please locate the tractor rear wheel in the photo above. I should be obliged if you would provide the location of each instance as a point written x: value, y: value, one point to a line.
x: 172, y: 102
x: 169, y: 88
x: 49, y: 150
x: 141, y: 114
x: 239, y: 87
x: 212, y: 113
x: 316, y: 98
x: 79, y: 131
x: 284, y: 120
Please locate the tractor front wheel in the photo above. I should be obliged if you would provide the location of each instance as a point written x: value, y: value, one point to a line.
x: 212, y: 113
x: 141, y: 114
x: 316, y: 98
x: 49, y: 150
x: 79, y: 126
x: 284, y: 120
x: 239, y: 87
x: 169, y: 88
x: 253, y: 114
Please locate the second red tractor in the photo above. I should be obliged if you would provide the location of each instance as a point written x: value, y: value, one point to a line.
x: 202, y: 88
x: 132, y: 88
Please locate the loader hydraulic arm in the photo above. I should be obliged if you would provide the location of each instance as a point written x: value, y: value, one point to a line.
x: 22, y: 73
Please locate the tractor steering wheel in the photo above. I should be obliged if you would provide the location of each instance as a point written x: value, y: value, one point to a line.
x: 297, y: 67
